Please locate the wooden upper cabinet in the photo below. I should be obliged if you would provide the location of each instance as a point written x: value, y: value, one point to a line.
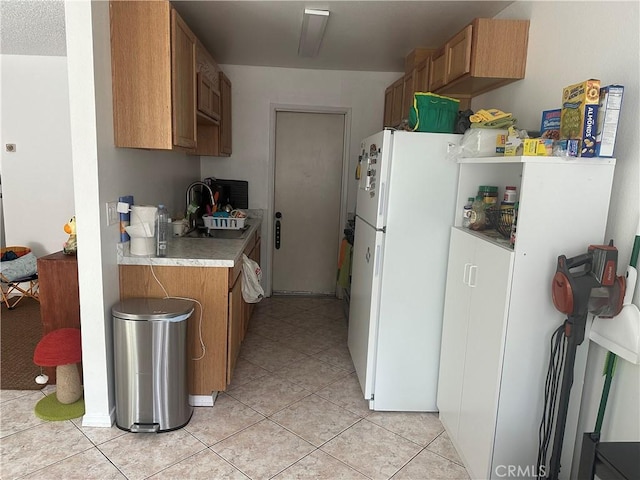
x: 388, y: 106
x: 438, y: 69
x: 458, y: 54
x: 208, y: 86
x: 208, y: 99
x: 485, y: 55
x: 407, y: 95
x: 141, y: 74
x: 183, y: 87
x: 153, y: 76
x: 398, y: 99
x: 421, y: 76
x: 225, y: 121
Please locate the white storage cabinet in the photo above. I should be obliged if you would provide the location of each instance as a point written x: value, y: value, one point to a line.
x: 499, y: 315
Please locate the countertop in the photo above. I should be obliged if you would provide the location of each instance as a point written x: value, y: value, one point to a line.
x: 195, y: 252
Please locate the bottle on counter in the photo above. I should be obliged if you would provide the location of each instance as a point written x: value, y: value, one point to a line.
x: 466, y: 212
x: 509, y: 195
x: 478, y: 218
x: 162, y: 231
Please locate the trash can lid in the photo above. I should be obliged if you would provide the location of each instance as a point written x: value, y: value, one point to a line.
x: 152, y: 308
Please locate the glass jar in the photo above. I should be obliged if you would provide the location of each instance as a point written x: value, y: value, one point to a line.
x: 478, y: 218
x: 489, y: 195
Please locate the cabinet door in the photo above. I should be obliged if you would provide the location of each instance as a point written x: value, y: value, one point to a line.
x: 208, y: 98
x: 454, y: 329
x: 398, y: 98
x: 388, y: 106
x: 235, y: 327
x: 204, y: 94
x: 183, y: 85
x: 438, y: 69
x: 459, y: 55
x: 408, y: 90
x: 141, y: 74
x: 225, y: 121
x: 421, y: 76
x: 490, y: 285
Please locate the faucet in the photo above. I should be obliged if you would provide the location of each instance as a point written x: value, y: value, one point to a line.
x: 191, y: 217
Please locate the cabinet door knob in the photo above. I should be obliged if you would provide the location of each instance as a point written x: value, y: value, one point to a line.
x: 465, y: 275
x: 473, y: 273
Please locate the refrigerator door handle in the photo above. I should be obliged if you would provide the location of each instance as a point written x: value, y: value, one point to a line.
x: 377, y: 265
x: 465, y: 275
x: 473, y: 273
x: 382, y: 185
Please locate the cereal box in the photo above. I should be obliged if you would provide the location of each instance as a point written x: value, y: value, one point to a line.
x: 608, y: 116
x: 579, y: 116
x: 550, y: 125
x: 528, y: 146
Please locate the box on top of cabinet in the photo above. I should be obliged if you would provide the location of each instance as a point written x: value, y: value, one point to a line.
x: 580, y: 115
x: 608, y: 116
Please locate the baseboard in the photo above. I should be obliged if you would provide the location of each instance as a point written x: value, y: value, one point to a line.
x: 102, y: 421
x: 203, y: 400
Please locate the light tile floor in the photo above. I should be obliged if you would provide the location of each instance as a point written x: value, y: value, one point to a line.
x: 294, y: 410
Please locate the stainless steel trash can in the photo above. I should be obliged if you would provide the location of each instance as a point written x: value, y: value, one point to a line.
x: 150, y: 359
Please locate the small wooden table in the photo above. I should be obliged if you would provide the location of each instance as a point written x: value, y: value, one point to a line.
x: 59, y: 295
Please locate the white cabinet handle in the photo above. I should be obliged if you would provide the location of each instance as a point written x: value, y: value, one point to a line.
x: 472, y: 275
x: 465, y: 275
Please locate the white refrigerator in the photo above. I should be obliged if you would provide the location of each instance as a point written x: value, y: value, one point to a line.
x: 404, y: 213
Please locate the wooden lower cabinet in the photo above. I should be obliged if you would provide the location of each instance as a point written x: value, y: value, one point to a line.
x: 224, y: 314
x: 59, y: 295
x: 249, y: 307
x: 236, y: 326
x: 210, y: 286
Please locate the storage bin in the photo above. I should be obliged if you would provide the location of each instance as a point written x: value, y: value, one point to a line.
x: 433, y: 113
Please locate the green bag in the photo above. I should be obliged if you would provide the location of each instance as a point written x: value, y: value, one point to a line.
x: 433, y: 113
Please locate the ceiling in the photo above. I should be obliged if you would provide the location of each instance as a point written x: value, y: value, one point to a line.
x: 360, y: 35
x: 32, y: 28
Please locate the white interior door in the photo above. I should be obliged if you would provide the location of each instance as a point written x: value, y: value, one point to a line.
x: 308, y: 182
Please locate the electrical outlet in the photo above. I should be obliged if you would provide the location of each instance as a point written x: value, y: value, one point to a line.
x: 112, y: 213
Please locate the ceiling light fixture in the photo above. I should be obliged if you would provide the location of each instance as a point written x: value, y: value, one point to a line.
x: 313, y: 24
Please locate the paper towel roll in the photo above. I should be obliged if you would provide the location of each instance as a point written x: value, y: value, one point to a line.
x: 141, y: 230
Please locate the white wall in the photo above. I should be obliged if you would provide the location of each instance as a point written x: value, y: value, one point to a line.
x: 37, y: 179
x: 102, y: 173
x: 563, y: 52
x: 256, y: 89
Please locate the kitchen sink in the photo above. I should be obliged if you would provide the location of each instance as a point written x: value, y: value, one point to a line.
x: 216, y: 233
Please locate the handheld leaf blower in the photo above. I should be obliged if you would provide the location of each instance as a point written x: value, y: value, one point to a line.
x: 581, y: 285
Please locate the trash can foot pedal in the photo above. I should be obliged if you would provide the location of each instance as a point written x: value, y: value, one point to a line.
x: 145, y: 428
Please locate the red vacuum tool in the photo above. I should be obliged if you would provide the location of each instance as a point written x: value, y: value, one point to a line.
x: 581, y: 285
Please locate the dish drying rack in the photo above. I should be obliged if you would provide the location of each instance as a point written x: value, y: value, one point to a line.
x: 223, y: 223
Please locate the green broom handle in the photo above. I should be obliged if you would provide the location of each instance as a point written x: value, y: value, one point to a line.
x: 610, y: 362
